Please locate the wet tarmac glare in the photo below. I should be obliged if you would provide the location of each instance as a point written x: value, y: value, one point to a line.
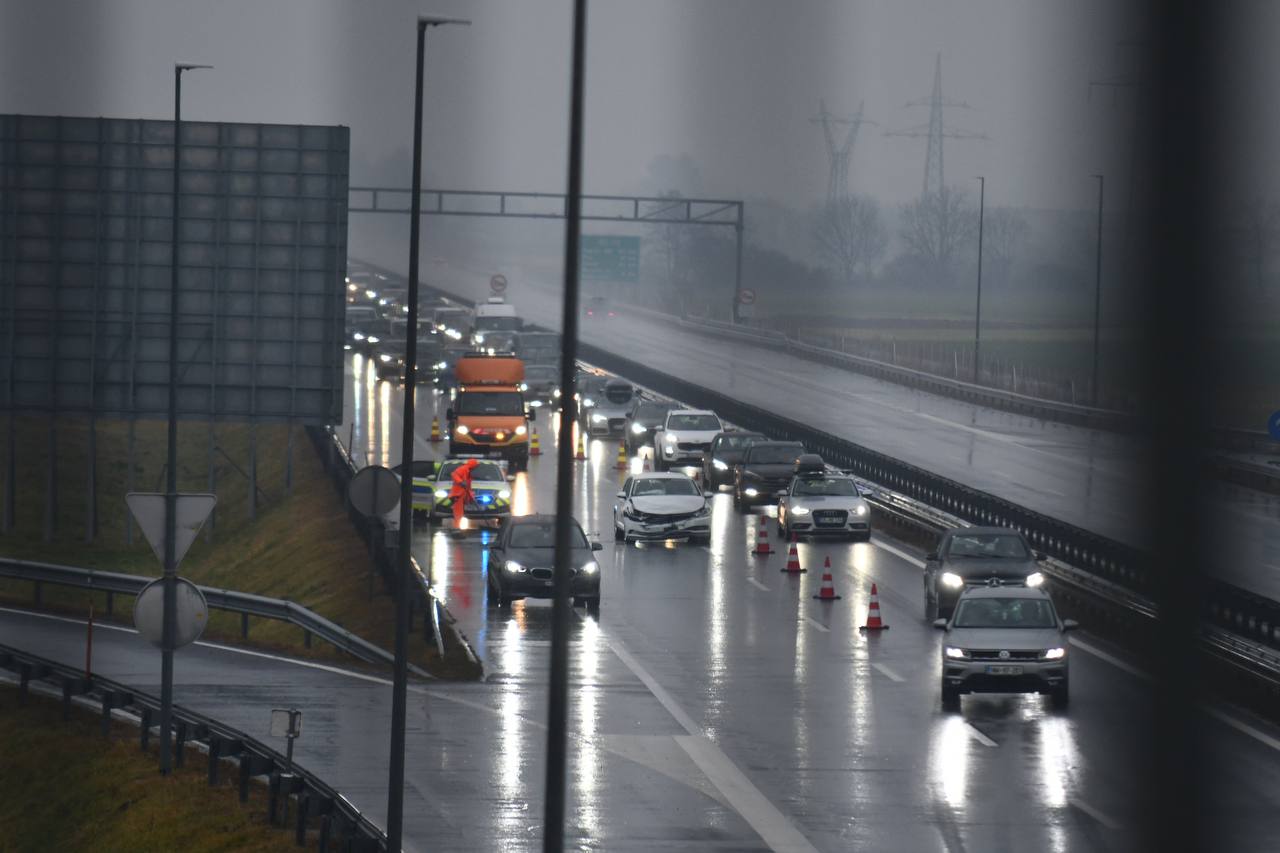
x: 717, y: 706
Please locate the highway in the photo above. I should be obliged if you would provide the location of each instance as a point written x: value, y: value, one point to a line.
x: 1086, y: 477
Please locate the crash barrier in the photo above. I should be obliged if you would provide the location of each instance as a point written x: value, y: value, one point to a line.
x: 323, y: 817
x: 244, y: 603
x: 383, y: 541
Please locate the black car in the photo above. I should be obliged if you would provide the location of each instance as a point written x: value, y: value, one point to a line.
x: 726, y: 452
x: 643, y: 419
x: 522, y: 555
x: 765, y: 471
x: 974, y: 556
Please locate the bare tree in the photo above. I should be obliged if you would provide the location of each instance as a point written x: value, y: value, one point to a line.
x: 851, y: 234
x: 937, y: 228
x: 1003, y: 234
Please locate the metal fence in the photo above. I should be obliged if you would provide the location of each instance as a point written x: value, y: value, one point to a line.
x: 338, y: 825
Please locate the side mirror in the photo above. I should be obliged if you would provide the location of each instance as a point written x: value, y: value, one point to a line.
x: 622, y: 495
x: 940, y: 623
x: 596, y: 546
x: 1070, y: 624
x: 932, y: 556
x: 1041, y: 556
x: 529, y: 413
x: 448, y: 414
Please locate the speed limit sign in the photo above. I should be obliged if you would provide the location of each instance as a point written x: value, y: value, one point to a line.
x: 498, y: 284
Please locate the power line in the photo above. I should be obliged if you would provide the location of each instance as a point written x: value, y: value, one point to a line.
x: 839, y: 151
x: 936, y: 130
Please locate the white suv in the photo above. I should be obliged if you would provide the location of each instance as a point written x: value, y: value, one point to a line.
x: 684, y: 437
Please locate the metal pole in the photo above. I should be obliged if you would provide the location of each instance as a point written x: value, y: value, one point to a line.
x: 558, y: 704
x: 737, y: 268
x: 977, y: 314
x: 1097, y: 299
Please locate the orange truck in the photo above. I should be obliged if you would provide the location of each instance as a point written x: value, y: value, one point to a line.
x: 488, y: 416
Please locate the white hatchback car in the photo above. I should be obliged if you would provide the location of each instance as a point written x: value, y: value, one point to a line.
x: 656, y: 506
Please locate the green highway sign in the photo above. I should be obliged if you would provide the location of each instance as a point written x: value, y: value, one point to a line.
x: 609, y: 258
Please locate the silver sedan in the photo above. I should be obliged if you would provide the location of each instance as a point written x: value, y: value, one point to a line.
x: 824, y: 504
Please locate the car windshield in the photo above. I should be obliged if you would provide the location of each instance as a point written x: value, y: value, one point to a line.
x: 483, y: 471
x: 618, y: 393
x: 1005, y: 613
x: 735, y: 442
x: 829, y: 487
x: 663, y: 486
x: 774, y: 454
x: 698, y: 423
x: 988, y: 545
x: 542, y: 534
x: 497, y: 324
x: 651, y: 413
x: 490, y: 403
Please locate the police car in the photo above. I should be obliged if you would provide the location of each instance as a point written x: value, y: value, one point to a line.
x: 488, y: 485
x: 822, y: 501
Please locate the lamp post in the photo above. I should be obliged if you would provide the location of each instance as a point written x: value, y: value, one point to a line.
x: 169, y: 617
x: 1097, y: 300
x: 399, y: 689
x: 977, y: 314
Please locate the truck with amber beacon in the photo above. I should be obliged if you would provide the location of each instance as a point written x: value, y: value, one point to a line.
x: 488, y: 416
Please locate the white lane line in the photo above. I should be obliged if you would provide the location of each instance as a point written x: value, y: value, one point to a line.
x: 815, y: 623
x: 898, y: 552
x: 1101, y: 817
x: 979, y: 736
x: 1090, y: 649
x: 771, y: 824
x: 68, y: 619
x: 888, y: 673
x: 1244, y: 728
x: 757, y: 584
x: 764, y: 817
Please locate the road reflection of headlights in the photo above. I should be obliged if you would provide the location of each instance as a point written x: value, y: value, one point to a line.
x: 514, y: 568
x: 1035, y: 579
x: 590, y: 567
x: 718, y: 464
x: 860, y: 509
x: 799, y: 510
x: 952, y: 580
x: 1054, y: 654
x: 637, y: 429
x: 953, y: 652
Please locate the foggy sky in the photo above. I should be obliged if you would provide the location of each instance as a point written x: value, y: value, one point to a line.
x: 731, y: 84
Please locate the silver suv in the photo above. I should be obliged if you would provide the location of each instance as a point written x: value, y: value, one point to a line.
x: 1004, y: 639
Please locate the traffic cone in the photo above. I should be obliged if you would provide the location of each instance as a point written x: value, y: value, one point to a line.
x: 763, y: 547
x: 827, y: 592
x: 874, y: 622
x: 582, y: 447
x: 793, y: 560
x: 535, y: 448
x: 622, y: 457
x: 647, y: 466
x: 435, y: 428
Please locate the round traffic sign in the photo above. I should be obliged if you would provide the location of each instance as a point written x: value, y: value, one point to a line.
x: 374, y: 491
x: 1273, y: 426
x: 498, y: 284
x: 191, y: 612
x: 747, y: 297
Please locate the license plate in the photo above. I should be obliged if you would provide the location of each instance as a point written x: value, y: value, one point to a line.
x: 549, y: 583
x: 1004, y: 670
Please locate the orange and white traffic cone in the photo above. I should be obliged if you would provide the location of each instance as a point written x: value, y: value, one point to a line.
x: 763, y: 548
x: 827, y: 592
x: 581, y: 452
x: 622, y: 457
x: 793, y: 560
x: 647, y: 466
x: 535, y: 448
x: 435, y: 429
x: 874, y: 622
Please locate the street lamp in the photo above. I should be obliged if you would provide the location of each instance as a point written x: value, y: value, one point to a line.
x: 977, y: 314
x: 169, y: 624
x: 395, y: 789
x: 1097, y: 299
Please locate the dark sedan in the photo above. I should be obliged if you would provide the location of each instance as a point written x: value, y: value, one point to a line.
x: 726, y: 452
x: 973, y: 556
x: 522, y: 555
x: 645, y: 417
x: 765, y: 471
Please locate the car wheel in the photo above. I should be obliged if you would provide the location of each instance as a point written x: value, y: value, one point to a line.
x: 593, y: 605
x: 950, y: 698
x: 1060, y: 697
x: 618, y: 535
x: 930, y: 607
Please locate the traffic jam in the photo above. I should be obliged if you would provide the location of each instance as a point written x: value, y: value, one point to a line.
x: 495, y: 400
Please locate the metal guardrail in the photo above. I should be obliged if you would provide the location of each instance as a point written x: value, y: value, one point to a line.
x: 341, y: 826
x: 246, y: 604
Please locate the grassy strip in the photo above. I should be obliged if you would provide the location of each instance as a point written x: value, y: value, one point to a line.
x: 65, y: 787
x: 300, y: 547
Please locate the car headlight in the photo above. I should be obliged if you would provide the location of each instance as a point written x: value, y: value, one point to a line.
x: 505, y: 494
x: 750, y: 491
x: 462, y: 429
x: 598, y: 418
x: 440, y: 365
x: 556, y: 393
x: 346, y: 346
x: 670, y: 437
x: 1056, y: 653
x: 587, y: 402
x: 521, y: 430
x: 535, y: 404
x: 359, y: 336
x: 952, y: 580
x: 514, y: 568
x: 953, y: 652
x: 718, y: 464
x: 442, y: 493
x: 796, y: 510
x: 479, y: 339
x: 1035, y: 579
x: 384, y: 358
x: 860, y: 509
x: 637, y: 429
x: 590, y: 567
x: 524, y: 386
x: 371, y: 294
x: 374, y: 339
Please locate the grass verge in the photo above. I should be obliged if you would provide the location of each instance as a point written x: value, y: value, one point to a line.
x: 63, y: 786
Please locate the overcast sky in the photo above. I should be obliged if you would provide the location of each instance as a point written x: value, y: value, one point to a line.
x: 730, y: 84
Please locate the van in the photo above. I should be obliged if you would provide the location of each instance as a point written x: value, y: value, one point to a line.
x: 488, y: 416
x: 494, y: 315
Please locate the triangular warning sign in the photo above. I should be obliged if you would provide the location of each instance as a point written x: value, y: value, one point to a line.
x: 191, y: 511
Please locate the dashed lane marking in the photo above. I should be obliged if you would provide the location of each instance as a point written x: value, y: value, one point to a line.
x: 757, y: 584
x: 815, y: 623
x: 1099, y: 816
x: 897, y: 552
x: 888, y: 673
x: 979, y: 736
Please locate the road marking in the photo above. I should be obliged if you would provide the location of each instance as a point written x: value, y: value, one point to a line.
x: 1244, y: 728
x: 764, y: 817
x: 815, y: 623
x: 979, y: 736
x: 757, y: 584
x: 1090, y: 649
x: 772, y: 825
x: 890, y: 674
x: 1100, y: 817
x: 898, y: 552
